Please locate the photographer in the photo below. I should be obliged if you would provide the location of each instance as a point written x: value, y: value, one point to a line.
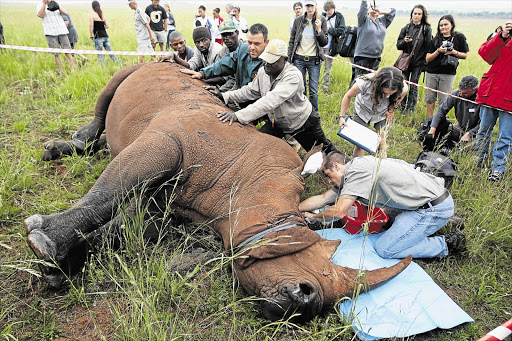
x: 418, y: 31
x: 445, y: 134
x: 443, y: 53
x: 496, y: 91
x: 241, y: 23
x: 55, y: 30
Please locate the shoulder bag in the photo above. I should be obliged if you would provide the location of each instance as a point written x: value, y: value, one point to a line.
x: 403, y: 61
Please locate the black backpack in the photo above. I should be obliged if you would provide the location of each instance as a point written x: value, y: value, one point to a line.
x: 348, y: 42
x: 437, y: 164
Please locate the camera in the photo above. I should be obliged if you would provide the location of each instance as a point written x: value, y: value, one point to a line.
x: 448, y: 45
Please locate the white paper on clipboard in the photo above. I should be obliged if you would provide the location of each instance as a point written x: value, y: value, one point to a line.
x: 359, y: 135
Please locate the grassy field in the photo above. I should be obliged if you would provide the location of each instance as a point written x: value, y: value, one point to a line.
x: 145, y: 292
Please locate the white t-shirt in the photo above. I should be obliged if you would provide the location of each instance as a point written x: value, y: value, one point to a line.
x: 53, y: 24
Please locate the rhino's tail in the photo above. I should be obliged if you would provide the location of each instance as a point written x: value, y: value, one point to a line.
x: 89, y: 136
x: 369, y: 280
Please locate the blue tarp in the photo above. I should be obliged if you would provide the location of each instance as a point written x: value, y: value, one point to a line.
x: 409, y: 304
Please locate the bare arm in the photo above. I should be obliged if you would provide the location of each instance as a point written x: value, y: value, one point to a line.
x: 458, y: 54
x: 62, y: 11
x: 318, y: 201
x: 41, y: 12
x: 91, y: 25
x: 353, y: 92
x: 433, y: 55
x: 106, y: 23
x: 338, y: 210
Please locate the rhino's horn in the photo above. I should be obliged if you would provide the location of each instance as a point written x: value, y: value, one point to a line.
x: 348, y: 279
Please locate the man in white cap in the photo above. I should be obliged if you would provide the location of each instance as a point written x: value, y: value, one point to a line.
x: 279, y: 93
x: 143, y: 32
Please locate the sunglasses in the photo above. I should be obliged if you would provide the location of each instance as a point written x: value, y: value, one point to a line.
x: 373, y: 6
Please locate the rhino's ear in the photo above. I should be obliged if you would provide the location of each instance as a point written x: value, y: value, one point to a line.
x: 313, y: 161
x: 329, y: 247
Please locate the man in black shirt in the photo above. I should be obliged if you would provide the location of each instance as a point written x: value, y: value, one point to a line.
x: 158, y: 23
x: 442, y: 132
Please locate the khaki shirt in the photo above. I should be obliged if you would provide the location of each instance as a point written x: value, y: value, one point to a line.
x: 282, y: 100
x: 387, y: 183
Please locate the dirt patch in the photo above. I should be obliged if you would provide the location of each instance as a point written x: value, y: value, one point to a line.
x: 92, y: 323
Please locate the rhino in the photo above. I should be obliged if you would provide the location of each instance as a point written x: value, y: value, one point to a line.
x: 245, y: 184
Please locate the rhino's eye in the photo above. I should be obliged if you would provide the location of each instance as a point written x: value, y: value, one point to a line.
x: 305, y: 288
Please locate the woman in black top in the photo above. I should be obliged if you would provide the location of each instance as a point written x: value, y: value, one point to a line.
x: 405, y: 42
x: 97, y: 29
x: 441, y: 73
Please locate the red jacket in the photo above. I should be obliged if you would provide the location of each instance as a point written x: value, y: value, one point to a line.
x: 496, y: 85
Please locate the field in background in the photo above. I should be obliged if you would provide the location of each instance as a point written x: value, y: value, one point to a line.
x: 136, y: 294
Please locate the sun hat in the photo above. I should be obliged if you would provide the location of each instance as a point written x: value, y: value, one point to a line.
x: 227, y: 26
x: 275, y: 49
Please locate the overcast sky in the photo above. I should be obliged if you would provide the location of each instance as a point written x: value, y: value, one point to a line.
x: 453, y: 5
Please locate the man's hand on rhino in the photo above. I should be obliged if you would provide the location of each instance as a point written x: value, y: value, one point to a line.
x: 194, y: 74
x: 214, y: 90
x: 227, y: 116
x: 167, y: 57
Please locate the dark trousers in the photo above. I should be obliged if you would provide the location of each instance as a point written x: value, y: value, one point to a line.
x: 309, y: 135
x: 409, y: 102
x: 447, y: 136
x: 369, y: 63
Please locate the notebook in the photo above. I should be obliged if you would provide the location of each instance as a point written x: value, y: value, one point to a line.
x: 359, y: 135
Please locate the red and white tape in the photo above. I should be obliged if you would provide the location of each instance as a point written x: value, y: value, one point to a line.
x: 132, y: 53
x: 499, y: 333
x: 48, y: 49
x: 418, y: 85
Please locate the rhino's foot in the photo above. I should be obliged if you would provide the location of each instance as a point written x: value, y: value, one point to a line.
x: 45, y: 249
x: 57, y: 148
x: 88, y: 133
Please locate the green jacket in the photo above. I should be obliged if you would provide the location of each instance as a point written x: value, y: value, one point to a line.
x: 238, y: 63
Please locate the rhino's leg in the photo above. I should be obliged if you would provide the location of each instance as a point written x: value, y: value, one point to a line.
x: 149, y: 161
x: 89, y: 134
x: 57, y: 148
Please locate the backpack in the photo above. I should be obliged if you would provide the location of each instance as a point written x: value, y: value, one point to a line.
x: 438, y: 165
x: 348, y: 42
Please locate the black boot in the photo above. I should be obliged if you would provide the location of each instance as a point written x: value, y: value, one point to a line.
x: 456, y: 242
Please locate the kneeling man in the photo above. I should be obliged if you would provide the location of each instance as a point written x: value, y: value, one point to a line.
x: 278, y: 92
x: 424, y: 203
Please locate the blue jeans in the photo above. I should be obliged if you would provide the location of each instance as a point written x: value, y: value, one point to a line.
x: 409, y: 102
x: 409, y: 234
x: 313, y: 69
x: 503, y: 145
x: 104, y: 43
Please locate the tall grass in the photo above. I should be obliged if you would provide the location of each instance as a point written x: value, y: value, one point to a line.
x: 144, y: 291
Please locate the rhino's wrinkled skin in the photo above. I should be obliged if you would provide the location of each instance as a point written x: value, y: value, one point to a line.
x: 159, y: 123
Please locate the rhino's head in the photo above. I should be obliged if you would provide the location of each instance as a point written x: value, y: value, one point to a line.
x: 301, y: 284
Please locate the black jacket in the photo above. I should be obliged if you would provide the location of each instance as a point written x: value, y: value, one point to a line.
x: 296, y: 35
x: 337, y: 32
x: 420, y: 54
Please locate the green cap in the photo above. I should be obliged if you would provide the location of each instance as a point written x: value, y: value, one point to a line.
x: 227, y: 26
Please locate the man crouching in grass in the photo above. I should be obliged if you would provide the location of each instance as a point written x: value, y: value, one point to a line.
x: 425, y: 205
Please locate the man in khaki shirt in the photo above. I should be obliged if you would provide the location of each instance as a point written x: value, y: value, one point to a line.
x: 279, y: 93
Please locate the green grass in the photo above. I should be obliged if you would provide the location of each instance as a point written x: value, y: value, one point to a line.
x: 137, y: 292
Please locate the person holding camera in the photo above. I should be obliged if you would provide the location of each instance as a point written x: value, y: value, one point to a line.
x: 371, y: 32
x: 240, y: 22
x: 417, y: 35
x: 444, y: 134
x: 55, y: 30
x: 496, y: 91
x: 443, y: 54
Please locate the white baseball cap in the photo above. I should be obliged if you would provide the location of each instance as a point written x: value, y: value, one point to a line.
x: 275, y: 49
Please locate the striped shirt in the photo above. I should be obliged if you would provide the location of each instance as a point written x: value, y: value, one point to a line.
x: 53, y: 24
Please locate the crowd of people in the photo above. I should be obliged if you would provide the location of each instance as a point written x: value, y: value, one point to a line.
x: 274, y: 84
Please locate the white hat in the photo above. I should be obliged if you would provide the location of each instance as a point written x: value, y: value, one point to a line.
x: 275, y: 49
x: 310, y: 2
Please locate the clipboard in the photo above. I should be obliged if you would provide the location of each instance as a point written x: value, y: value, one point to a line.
x: 359, y: 135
